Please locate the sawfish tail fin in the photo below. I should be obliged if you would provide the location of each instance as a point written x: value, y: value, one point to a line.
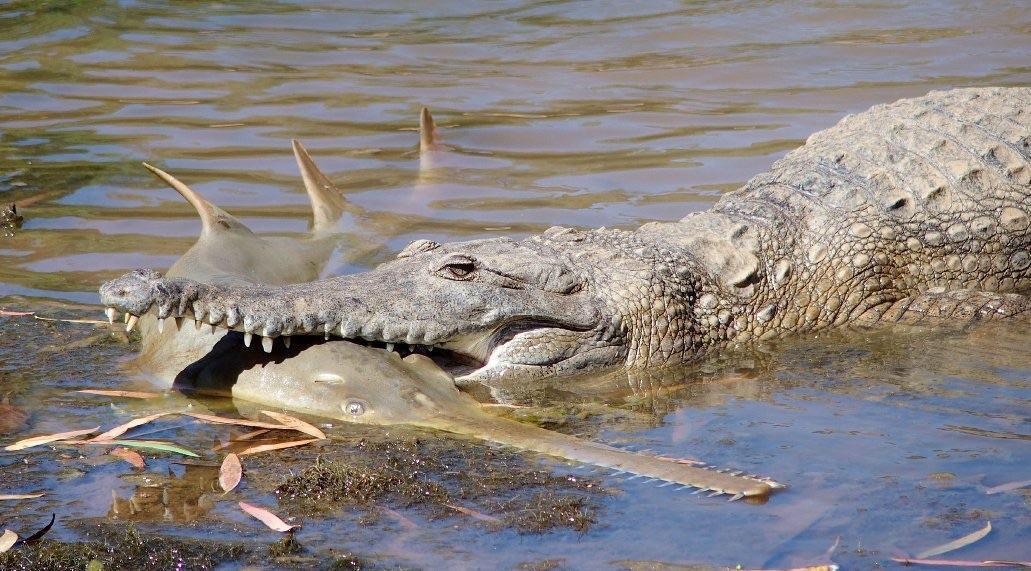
x: 429, y: 140
x: 213, y: 219
x: 327, y: 201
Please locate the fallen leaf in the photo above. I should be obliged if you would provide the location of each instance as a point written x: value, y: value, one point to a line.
x: 19, y: 496
x: 235, y: 421
x: 295, y: 423
x: 276, y: 446
x: 152, y: 445
x: 1007, y: 487
x: 473, y: 513
x: 240, y: 438
x: 960, y: 563
x: 956, y: 544
x: 39, y: 534
x: 6, y: 313
x: 123, y: 428
x: 126, y: 394
x: 131, y: 456
x: 7, y: 540
x: 230, y: 472
x: 266, y: 517
x: 86, y: 321
x: 37, y: 440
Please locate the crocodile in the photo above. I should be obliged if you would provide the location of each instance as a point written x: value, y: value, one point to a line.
x: 347, y: 381
x: 914, y: 212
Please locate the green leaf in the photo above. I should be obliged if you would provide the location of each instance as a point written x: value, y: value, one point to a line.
x: 156, y: 445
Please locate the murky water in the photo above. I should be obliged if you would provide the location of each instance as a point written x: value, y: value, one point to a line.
x: 555, y: 113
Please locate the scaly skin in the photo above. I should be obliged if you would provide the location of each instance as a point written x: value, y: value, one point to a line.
x: 343, y: 380
x: 916, y: 211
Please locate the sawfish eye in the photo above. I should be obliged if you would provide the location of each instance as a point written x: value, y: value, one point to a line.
x: 354, y: 407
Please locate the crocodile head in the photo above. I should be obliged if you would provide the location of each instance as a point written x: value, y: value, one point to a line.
x: 482, y: 309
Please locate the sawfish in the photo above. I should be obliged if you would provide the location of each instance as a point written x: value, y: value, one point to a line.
x: 338, y: 379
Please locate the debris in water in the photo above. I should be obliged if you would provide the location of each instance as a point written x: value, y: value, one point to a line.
x: 956, y: 544
x: 276, y: 446
x: 130, y: 456
x: 46, y: 439
x: 230, y: 473
x: 123, y: 428
x: 126, y: 394
x: 266, y: 517
x: 295, y: 423
x: 1008, y: 487
x: 20, y: 496
x: 235, y: 421
x: 7, y: 540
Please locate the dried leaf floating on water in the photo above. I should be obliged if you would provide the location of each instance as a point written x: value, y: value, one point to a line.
x: 1011, y: 486
x: 46, y: 439
x: 473, y: 513
x: 123, y: 428
x: 266, y: 517
x: 7, y: 540
x: 125, y: 394
x: 230, y: 473
x: 295, y: 423
x: 20, y: 496
x: 963, y: 563
x: 130, y: 456
x: 85, y: 321
x: 957, y: 543
x: 235, y: 422
x: 276, y: 446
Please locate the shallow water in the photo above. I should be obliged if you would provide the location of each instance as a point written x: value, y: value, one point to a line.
x: 554, y: 113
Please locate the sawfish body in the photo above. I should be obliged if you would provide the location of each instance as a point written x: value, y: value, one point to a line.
x: 342, y: 380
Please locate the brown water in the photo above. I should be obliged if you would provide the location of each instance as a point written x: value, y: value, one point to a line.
x: 578, y: 114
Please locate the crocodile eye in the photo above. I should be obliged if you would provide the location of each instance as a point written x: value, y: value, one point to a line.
x: 354, y: 407
x: 458, y: 269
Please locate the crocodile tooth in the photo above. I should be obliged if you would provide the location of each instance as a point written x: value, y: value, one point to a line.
x: 429, y: 348
x: 111, y: 313
x: 650, y: 480
x: 736, y: 497
x: 716, y: 493
x: 684, y: 487
x: 668, y: 483
x: 699, y: 490
x: 635, y: 476
x: 390, y: 347
x: 327, y: 329
x: 618, y: 472
x: 197, y: 324
x: 161, y: 325
x: 266, y: 344
x: 247, y: 339
x: 286, y: 341
x: 125, y: 318
x: 130, y: 322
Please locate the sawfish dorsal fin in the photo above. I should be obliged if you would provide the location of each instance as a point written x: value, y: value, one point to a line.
x: 429, y: 140
x: 214, y: 219
x: 327, y: 202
